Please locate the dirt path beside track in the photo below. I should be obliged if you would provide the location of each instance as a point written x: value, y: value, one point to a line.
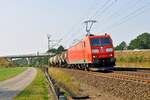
x: 11, y: 87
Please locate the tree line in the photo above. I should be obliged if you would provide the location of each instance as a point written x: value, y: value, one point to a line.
x: 140, y: 42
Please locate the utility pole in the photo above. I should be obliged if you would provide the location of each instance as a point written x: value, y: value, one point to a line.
x: 49, y: 40
x: 89, y: 24
x: 52, y: 43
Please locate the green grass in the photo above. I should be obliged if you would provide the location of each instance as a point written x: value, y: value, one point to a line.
x: 6, y: 73
x: 37, y: 90
x: 62, y: 77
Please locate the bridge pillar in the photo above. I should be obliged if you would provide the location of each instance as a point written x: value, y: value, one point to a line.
x: 29, y: 60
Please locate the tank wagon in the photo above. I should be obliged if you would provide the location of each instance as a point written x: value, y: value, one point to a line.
x: 94, y: 52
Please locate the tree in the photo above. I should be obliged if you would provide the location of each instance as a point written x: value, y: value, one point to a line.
x: 60, y: 49
x: 121, y: 46
x: 53, y: 50
x: 141, y: 42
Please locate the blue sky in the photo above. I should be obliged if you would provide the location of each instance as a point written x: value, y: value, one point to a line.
x: 24, y: 24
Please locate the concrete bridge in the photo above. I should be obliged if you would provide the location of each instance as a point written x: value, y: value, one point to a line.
x: 28, y: 57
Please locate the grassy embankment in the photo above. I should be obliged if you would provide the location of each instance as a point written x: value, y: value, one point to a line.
x: 63, y: 78
x: 139, y: 59
x: 37, y: 90
x: 6, y: 73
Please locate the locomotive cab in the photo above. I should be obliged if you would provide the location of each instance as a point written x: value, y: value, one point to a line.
x: 102, y: 51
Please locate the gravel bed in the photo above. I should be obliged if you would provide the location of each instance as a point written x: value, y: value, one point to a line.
x: 126, y: 90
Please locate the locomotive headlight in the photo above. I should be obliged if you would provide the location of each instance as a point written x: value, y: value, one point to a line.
x: 95, y: 50
x: 94, y: 56
x: 110, y: 55
x: 109, y: 50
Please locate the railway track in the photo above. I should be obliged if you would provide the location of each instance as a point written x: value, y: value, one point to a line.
x: 134, y: 76
x: 124, y: 84
x: 139, y: 77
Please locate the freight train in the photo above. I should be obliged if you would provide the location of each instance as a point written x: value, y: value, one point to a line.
x: 93, y: 52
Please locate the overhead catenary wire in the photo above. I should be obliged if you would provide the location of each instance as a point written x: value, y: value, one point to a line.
x: 116, y: 14
x: 102, y: 8
x: 126, y: 18
x: 81, y: 20
x: 138, y: 14
x: 105, y: 7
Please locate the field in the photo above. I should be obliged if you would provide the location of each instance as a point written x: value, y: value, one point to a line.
x: 37, y: 90
x: 139, y: 59
x: 6, y: 73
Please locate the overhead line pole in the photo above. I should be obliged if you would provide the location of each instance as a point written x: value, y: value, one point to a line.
x: 49, y: 40
x: 52, y: 43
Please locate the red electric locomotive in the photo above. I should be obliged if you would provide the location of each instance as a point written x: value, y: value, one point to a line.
x: 92, y: 52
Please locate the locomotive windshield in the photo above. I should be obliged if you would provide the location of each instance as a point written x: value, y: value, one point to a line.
x: 100, y: 41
